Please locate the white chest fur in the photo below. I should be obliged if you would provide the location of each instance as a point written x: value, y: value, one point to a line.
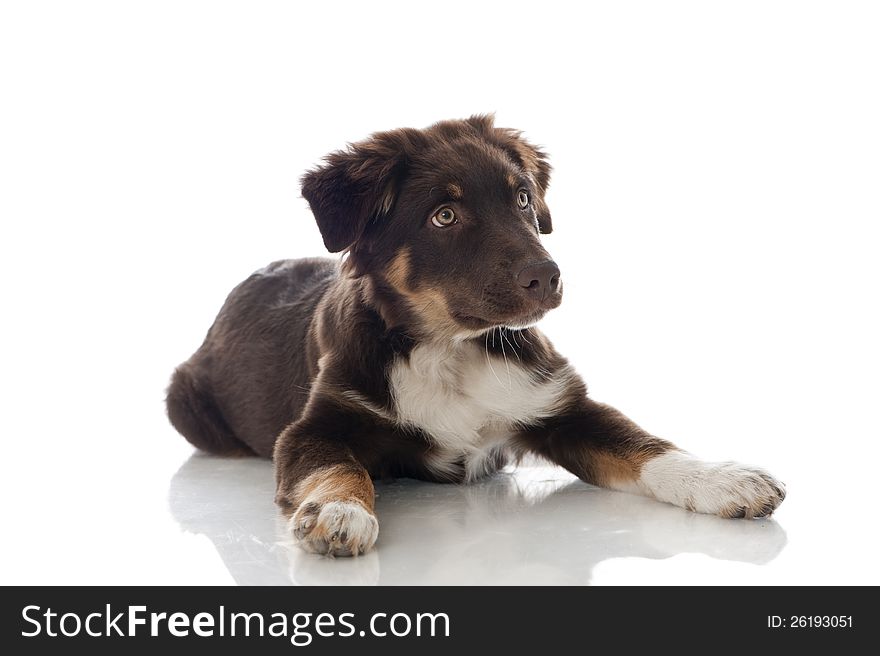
x: 468, y: 401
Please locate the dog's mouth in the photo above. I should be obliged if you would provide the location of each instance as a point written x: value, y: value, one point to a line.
x: 517, y: 322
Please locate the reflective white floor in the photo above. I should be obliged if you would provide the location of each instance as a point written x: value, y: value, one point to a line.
x: 531, y: 526
x: 144, y: 508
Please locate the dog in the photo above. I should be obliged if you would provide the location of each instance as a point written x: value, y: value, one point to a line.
x: 416, y: 353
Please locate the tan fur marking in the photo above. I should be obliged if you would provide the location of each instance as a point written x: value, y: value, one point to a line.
x: 336, y: 483
x: 398, y: 271
x: 429, y: 304
x: 335, y: 513
x: 454, y: 191
x: 607, y: 469
x: 511, y: 180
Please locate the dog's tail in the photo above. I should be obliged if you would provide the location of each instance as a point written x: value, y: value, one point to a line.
x: 194, y: 413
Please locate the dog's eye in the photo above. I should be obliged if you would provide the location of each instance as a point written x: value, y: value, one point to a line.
x: 443, y: 218
x: 523, y: 199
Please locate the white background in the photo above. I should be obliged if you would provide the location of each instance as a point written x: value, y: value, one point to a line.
x: 715, y: 203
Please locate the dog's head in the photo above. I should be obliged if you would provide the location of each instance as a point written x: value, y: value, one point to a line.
x: 444, y: 222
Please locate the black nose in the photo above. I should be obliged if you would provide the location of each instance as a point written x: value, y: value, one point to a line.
x: 541, y: 279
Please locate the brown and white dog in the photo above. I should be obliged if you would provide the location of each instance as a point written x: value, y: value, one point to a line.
x: 417, y: 355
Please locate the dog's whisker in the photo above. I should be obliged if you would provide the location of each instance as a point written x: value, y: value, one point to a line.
x: 513, y: 348
x: 504, y: 354
x: 513, y: 337
x: 489, y: 361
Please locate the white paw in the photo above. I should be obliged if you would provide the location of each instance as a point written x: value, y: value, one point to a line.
x: 334, y: 528
x: 727, y: 489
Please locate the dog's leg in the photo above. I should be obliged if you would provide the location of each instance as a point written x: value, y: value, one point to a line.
x: 326, y: 493
x: 603, y: 447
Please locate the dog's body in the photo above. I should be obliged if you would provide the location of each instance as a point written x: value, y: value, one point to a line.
x: 418, y: 355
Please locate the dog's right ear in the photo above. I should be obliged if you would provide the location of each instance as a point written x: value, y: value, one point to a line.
x: 357, y: 186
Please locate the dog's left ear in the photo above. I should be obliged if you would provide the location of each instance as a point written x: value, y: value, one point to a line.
x: 357, y: 186
x: 531, y: 158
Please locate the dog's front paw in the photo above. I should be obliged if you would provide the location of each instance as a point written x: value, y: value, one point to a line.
x: 733, y: 490
x: 335, y: 528
x: 727, y: 489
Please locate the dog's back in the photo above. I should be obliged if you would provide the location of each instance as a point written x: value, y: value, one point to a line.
x: 252, y: 374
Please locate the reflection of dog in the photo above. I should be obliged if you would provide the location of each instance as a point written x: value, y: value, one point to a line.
x: 418, y: 355
x: 538, y: 526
